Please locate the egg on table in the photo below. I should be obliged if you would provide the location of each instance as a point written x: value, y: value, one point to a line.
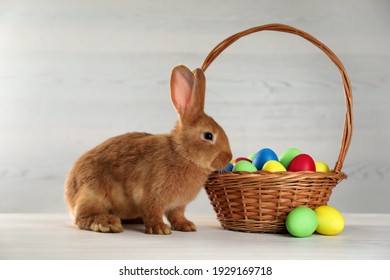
x: 330, y: 220
x: 301, y: 222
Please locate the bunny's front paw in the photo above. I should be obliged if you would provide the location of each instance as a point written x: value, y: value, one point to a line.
x: 157, y: 229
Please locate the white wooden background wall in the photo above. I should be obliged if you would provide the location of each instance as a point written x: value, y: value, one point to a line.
x: 73, y: 73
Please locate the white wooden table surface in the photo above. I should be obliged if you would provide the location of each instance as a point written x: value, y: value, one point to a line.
x: 53, y: 236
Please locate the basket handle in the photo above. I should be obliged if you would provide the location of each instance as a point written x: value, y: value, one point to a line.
x: 348, y: 122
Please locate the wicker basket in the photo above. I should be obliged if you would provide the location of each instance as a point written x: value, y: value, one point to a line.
x: 261, y: 201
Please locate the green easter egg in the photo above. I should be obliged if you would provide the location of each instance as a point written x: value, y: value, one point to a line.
x: 301, y: 222
x: 252, y: 156
x: 287, y: 156
x: 244, y: 165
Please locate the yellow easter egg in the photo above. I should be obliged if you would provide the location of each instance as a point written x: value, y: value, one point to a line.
x: 330, y: 220
x: 321, y: 166
x: 273, y: 166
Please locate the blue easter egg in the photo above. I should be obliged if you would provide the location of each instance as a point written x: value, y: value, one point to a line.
x: 228, y: 168
x: 262, y: 157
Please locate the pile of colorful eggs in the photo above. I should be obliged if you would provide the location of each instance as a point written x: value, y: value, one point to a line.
x: 266, y: 159
x: 303, y: 221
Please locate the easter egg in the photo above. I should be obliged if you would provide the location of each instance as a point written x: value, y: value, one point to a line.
x: 228, y: 168
x: 301, y: 222
x: 241, y: 158
x: 244, y: 165
x: 321, y: 166
x: 287, y: 156
x: 252, y: 156
x: 263, y: 156
x: 302, y: 162
x: 330, y: 221
x: 273, y: 166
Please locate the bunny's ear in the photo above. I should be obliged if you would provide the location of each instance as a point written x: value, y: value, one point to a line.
x: 182, y: 84
x: 199, y: 90
x: 187, y: 91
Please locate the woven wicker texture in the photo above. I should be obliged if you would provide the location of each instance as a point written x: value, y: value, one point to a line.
x: 261, y: 201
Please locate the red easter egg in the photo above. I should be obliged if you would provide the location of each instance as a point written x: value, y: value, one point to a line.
x: 302, y: 162
x: 241, y: 158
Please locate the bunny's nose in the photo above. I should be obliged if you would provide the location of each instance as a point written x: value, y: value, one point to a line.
x: 221, y: 160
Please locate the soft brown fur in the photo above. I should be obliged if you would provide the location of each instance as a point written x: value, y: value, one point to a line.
x: 141, y: 175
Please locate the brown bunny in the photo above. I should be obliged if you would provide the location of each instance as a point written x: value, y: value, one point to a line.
x: 141, y: 175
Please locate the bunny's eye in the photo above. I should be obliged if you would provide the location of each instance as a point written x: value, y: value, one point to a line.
x: 208, y: 136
